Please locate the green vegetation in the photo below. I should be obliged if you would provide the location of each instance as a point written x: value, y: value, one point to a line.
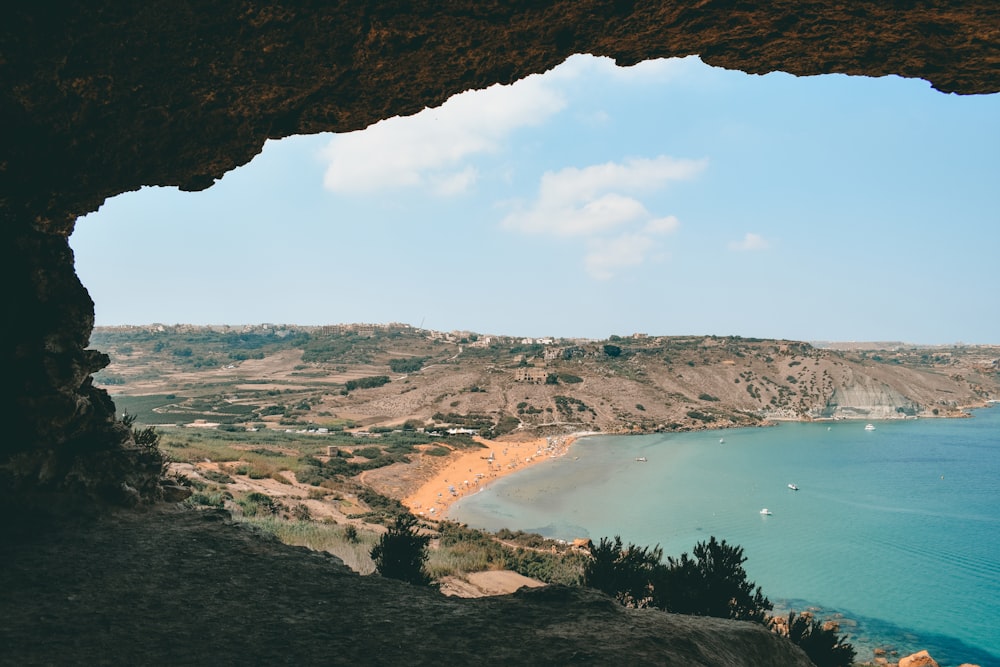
x: 369, y: 382
x: 401, y: 552
x: 463, y: 549
x: 701, y: 416
x: 714, y: 583
x: 567, y: 405
x: 408, y: 365
x: 626, y: 573
x: 823, y: 646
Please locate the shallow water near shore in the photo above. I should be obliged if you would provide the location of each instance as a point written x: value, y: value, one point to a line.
x: 898, y: 529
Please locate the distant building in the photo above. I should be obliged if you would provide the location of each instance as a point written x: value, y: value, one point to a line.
x: 529, y: 374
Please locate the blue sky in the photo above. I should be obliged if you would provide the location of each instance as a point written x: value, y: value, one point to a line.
x: 668, y: 198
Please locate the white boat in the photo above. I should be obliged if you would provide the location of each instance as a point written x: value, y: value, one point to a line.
x: 793, y: 487
x: 869, y: 427
x: 766, y: 512
x: 641, y: 459
x: 721, y: 440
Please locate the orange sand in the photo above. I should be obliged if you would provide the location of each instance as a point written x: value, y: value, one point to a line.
x: 468, y: 472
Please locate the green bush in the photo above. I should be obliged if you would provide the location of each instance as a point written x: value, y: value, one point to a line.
x: 627, y: 573
x: 713, y: 584
x: 438, y: 451
x: 257, y: 504
x: 367, y: 382
x: 823, y: 646
x: 401, y: 552
x: 410, y: 365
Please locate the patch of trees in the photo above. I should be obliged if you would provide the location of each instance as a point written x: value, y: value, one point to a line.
x: 407, y: 365
x: 711, y: 582
x: 567, y: 404
x: 343, y: 347
x: 612, y: 350
x: 701, y: 416
x: 565, y: 378
x: 708, y: 397
x: 506, y: 424
x: 369, y: 382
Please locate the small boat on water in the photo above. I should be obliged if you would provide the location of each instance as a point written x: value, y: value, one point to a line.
x: 869, y: 427
x: 765, y: 512
x: 721, y: 440
x: 641, y: 459
x: 793, y: 487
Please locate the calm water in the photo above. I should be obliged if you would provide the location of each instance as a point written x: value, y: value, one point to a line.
x: 898, y: 529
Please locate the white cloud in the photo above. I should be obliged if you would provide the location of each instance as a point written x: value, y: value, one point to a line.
x: 749, y: 243
x: 432, y: 145
x: 580, y: 202
x: 589, y: 203
x: 607, y: 256
x: 667, y: 225
x: 455, y: 183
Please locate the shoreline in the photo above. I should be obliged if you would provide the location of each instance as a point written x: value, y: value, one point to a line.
x: 469, y: 472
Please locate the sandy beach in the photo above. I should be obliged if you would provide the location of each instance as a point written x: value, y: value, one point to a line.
x: 468, y: 472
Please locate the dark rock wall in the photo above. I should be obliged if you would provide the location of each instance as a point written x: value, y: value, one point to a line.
x: 103, y: 97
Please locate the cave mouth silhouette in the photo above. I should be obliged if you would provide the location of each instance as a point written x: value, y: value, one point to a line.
x: 106, y: 98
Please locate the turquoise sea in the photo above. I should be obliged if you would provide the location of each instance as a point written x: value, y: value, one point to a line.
x: 897, y: 529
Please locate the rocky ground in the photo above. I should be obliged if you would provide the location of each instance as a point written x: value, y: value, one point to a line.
x: 183, y: 587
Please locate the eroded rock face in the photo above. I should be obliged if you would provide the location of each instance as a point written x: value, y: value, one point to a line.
x: 105, y: 97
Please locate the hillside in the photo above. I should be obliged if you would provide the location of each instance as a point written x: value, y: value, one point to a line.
x: 295, y: 378
x: 191, y: 588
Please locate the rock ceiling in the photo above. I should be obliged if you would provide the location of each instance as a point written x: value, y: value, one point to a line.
x: 107, y: 96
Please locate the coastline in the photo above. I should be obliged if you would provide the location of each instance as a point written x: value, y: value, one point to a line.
x: 469, y: 472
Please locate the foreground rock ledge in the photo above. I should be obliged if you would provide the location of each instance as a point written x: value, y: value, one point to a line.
x: 168, y: 586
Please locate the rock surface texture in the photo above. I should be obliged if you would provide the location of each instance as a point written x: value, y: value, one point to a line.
x: 104, y: 97
x: 162, y: 587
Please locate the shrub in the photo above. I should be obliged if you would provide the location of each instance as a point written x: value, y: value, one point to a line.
x: 401, y: 552
x: 625, y: 573
x: 713, y: 584
x: 410, y: 365
x: 257, y: 504
x: 823, y: 646
x: 217, y: 477
x: 366, y: 382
